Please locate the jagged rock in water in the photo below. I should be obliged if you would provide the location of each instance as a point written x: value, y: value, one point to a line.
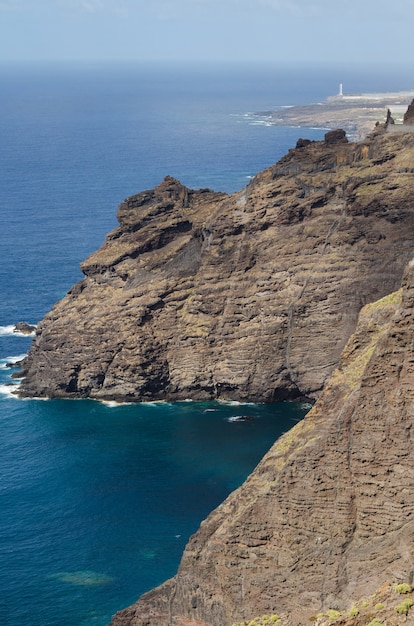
x: 328, y: 514
x: 251, y: 296
x: 24, y: 328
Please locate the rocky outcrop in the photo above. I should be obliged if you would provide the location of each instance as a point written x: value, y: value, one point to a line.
x: 252, y: 295
x: 409, y: 114
x: 336, y: 136
x: 328, y: 514
x: 389, y: 120
x: 24, y: 328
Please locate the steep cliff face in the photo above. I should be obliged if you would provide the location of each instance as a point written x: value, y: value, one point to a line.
x: 409, y: 114
x: 328, y: 515
x: 252, y: 295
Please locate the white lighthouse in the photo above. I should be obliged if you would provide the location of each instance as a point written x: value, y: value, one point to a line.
x: 340, y: 93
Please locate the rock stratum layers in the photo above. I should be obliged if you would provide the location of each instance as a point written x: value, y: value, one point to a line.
x: 328, y: 514
x: 252, y: 295
x: 256, y: 295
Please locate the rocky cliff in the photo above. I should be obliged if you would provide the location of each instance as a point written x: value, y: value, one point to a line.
x: 246, y: 296
x: 409, y: 114
x: 328, y: 514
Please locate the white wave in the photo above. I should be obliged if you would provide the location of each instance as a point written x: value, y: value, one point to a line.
x: 235, y: 418
x: 155, y: 403
x: 10, y: 331
x: 240, y: 418
x: 9, y: 390
x: 236, y: 403
x: 7, y: 330
x: 39, y: 398
x: 261, y: 123
x: 4, y: 363
x: 113, y: 404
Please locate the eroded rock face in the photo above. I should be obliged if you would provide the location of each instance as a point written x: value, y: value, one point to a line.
x: 409, y: 114
x: 245, y: 296
x: 328, y: 515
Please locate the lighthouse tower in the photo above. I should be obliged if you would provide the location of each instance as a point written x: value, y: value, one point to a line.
x: 340, y: 94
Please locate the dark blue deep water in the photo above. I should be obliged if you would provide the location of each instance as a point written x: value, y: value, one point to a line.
x: 98, y: 501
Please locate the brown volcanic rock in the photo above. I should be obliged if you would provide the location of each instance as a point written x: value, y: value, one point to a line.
x: 328, y: 514
x: 336, y: 136
x: 246, y: 296
x: 409, y: 114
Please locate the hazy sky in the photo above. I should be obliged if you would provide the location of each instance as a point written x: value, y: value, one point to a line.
x: 272, y: 30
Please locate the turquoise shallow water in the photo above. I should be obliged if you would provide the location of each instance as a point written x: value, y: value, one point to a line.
x: 97, y: 502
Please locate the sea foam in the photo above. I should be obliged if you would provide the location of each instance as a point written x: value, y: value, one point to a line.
x: 9, y: 390
x: 236, y: 403
x: 113, y: 404
x: 10, y: 331
x: 239, y: 418
x: 7, y: 330
x: 8, y: 360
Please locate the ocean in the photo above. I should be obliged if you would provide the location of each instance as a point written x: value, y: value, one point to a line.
x: 97, y: 501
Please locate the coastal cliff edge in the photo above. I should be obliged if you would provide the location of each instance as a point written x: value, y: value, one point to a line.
x: 249, y: 296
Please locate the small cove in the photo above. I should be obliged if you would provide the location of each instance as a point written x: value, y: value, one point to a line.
x: 99, y: 501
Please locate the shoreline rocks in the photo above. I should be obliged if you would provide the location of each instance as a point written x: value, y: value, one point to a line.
x: 24, y: 328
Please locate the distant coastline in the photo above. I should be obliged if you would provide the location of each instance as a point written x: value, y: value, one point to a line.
x: 357, y: 114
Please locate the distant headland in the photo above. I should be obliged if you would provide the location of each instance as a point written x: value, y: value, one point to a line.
x: 357, y: 114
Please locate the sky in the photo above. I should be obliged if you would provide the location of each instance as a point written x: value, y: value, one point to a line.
x: 375, y: 31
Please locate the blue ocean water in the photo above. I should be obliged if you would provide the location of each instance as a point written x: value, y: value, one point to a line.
x: 98, y: 501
